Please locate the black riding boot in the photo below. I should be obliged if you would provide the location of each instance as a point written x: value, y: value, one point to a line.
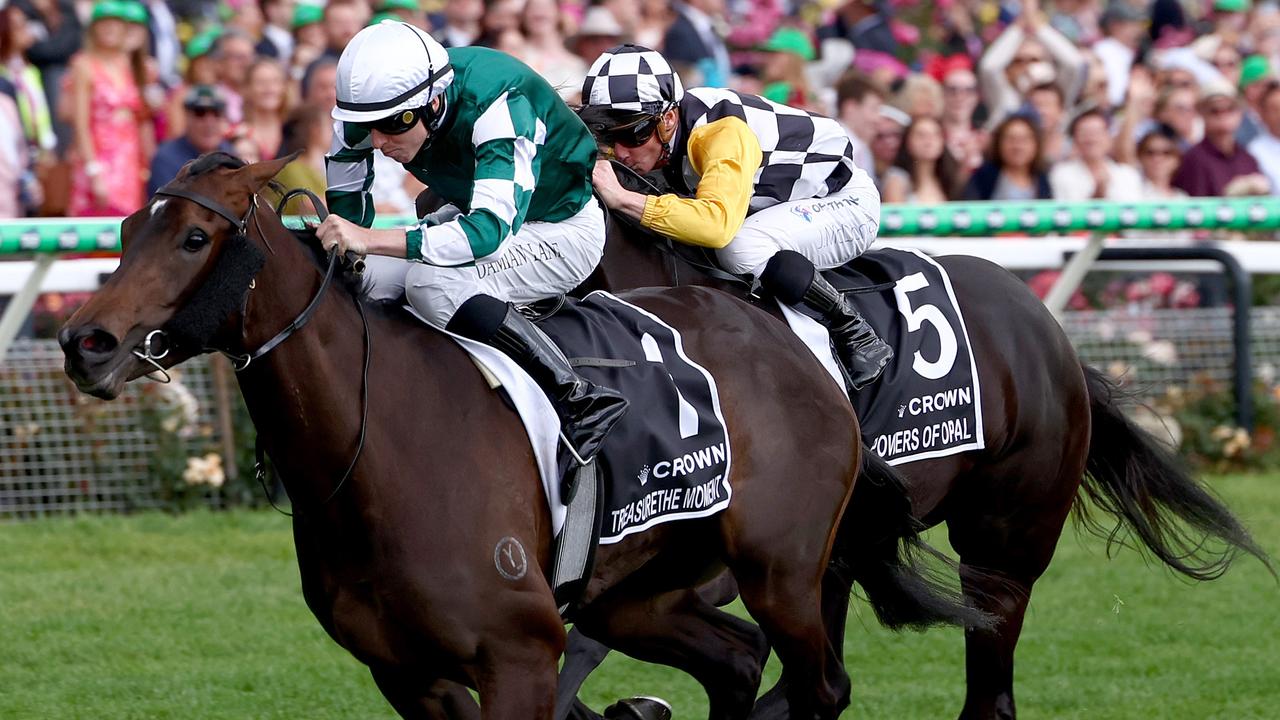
x: 793, y: 279
x: 587, y: 411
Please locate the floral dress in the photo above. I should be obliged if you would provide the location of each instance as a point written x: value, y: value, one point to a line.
x: 115, y: 108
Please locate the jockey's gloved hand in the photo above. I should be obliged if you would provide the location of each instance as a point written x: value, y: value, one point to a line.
x: 343, y: 234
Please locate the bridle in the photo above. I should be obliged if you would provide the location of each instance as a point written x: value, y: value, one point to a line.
x: 240, y: 228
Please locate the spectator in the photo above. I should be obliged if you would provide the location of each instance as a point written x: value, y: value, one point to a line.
x: 342, y: 20
x: 57, y: 37
x: 865, y: 24
x: 108, y: 113
x: 1216, y: 162
x: 1158, y: 158
x: 1093, y: 175
x: 1255, y: 78
x: 599, y: 31
x: 202, y: 69
x: 308, y: 131
x: 320, y: 84
x: 461, y: 23
x: 13, y: 158
x: 165, y: 47
x: 783, y: 78
x: 33, y: 107
x: 655, y: 17
x: 1124, y: 26
x: 1176, y: 108
x: 1028, y: 53
x: 858, y: 103
x: 1265, y: 148
x: 405, y: 11
x: 923, y: 172
x: 206, y: 128
x: 693, y: 40
x: 277, y: 29
x: 1047, y: 102
x: 920, y: 95
x: 308, y: 37
x: 266, y: 106
x: 890, y: 127
x: 545, y: 50
x: 234, y: 53
x: 960, y: 95
x: 1015, y: 168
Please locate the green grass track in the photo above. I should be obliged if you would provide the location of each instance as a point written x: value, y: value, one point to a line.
x: 201, y: 616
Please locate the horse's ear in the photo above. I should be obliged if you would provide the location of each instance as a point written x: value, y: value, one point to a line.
x: 257, y: 174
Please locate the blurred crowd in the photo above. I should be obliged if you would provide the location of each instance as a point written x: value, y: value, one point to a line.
x: 102, y: 102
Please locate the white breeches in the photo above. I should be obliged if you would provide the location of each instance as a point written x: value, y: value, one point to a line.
x: 829, y: 231
x: 543, y: 260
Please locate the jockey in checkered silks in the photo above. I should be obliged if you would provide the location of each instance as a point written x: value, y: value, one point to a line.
x: 493, y: 139
x: 775, y: 191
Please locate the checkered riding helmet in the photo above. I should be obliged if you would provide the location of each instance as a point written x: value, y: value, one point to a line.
x: 626, y: 86
x: 388, y: 75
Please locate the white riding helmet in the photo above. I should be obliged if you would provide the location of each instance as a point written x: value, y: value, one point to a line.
x: 389, y: 68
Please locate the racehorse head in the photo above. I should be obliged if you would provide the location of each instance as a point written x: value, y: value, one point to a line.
x: 186, y: 267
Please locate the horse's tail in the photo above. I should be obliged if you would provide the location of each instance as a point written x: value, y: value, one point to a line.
x: 878, y: 545
x: 1133, y: 477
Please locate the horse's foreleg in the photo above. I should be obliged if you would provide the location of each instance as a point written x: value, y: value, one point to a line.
x: 679, y: 629
x: 416, y: 697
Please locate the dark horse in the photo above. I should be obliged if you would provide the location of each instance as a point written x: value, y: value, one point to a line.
x: 1050, y: 423
x: 421, y: 527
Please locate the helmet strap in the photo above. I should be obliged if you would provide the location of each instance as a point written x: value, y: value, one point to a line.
x: 667, y: 136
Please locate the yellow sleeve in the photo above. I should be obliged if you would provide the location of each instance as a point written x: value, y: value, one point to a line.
x: 726, y: 155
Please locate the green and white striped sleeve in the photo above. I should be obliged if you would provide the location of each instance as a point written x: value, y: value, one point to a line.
x: 506, y: 138
x: 349, y: 174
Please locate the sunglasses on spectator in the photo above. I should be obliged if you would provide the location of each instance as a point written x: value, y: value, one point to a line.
x: 1166, y: 151
x: 204, y: 112
x: 1026, y: 59
x: 959, y: 89
x: 1215, y: 110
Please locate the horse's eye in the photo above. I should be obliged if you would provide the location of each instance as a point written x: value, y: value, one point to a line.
x: 195, y: 241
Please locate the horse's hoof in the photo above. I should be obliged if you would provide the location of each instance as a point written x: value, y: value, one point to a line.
x: 639, y: 708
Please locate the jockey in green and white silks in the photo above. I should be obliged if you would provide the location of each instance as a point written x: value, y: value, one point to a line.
x: 492, y: 138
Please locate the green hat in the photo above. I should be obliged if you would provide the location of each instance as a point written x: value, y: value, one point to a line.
x: 1253, y: 69
x: 305, y: 14
x: 399, y: 5
x: 790, y: 40
x: 126, y: 10
x: 203, y: 42
x: 1232, y: 6
x: 383, y: 15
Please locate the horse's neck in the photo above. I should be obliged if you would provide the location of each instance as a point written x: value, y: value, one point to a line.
x: 633, y: 258
x: 305, y: 396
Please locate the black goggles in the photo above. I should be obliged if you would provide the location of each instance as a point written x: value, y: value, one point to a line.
x: 629, y: 135
x: 396, y: 124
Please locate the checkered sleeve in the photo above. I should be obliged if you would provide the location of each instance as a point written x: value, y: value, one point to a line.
x: 505, y: 137
x: 349, y: 174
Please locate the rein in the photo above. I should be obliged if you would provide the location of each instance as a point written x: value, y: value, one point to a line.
x: 240, y: 226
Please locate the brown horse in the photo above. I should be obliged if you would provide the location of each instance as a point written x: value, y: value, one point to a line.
x: 1050, y: 422
x: 421, y: 527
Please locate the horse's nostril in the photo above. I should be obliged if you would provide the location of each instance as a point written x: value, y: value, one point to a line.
x: 95, y: 342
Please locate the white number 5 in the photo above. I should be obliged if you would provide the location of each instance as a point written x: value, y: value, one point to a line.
x: 916, y: 317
